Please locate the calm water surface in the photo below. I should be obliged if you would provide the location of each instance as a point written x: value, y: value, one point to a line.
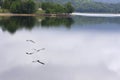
x: 78, y: 48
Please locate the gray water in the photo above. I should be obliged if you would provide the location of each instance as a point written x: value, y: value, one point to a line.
x: 77, y: 48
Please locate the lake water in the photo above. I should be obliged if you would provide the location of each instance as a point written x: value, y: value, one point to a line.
x: 77, y: 48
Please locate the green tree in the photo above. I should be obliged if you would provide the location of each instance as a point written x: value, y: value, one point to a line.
x: 57, y: 8
x: 69, y: 8
x: 1, y: 2
x: 45, y: 5
x: 16, y: 7
x: 7, y: 3
x: 27, y: 6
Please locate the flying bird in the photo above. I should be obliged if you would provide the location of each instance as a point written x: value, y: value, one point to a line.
x: 39, y: 62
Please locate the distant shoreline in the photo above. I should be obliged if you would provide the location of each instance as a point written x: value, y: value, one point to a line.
x: 66, y: 15
x: 49, y: 15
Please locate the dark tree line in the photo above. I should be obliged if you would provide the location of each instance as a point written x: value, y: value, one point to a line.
x: 59, y: 6
x: 90, y: 5
x: 30, y: 6
x: 19, y: 6
x: 49, y: 7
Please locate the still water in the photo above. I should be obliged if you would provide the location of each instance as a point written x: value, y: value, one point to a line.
x: 77, y: 48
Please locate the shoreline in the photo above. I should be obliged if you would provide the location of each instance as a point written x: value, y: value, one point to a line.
x: 46, y: 15
x: 10, y: 14
x: 66, y: 15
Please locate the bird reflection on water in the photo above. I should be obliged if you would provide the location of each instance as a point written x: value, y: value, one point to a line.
x: 35, y: 51
x: 29, y: 53
x: 30, y: 41
x: 38, y: 50
x: 38, y: 61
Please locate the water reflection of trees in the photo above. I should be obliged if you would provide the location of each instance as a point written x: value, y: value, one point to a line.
x: 95, y: 20
x: 56, y: 22
x: 12, y: 24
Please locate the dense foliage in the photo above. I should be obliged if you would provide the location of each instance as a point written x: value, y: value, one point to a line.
x: 20, y: 6
x: 49, y: 7
x: 0, y: 2
x: 60, y: 6
x: 90, y: 5
x: 30, y: 6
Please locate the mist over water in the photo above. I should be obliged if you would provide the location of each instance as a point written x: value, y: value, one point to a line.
x: 78, y: 48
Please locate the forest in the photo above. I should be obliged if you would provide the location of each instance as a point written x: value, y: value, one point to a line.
x: 19, y: 6
x: 59, y: 6
x: 30, y: 6
x: 89, y: 5
x: 56, y: 8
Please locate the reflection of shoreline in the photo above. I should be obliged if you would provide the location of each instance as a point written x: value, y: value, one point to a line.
x: 45, y: 15
x: 14, y: 23
x: 56, y: 22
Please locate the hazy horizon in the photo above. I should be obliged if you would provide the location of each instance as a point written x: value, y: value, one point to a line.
x: 108, y: 1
